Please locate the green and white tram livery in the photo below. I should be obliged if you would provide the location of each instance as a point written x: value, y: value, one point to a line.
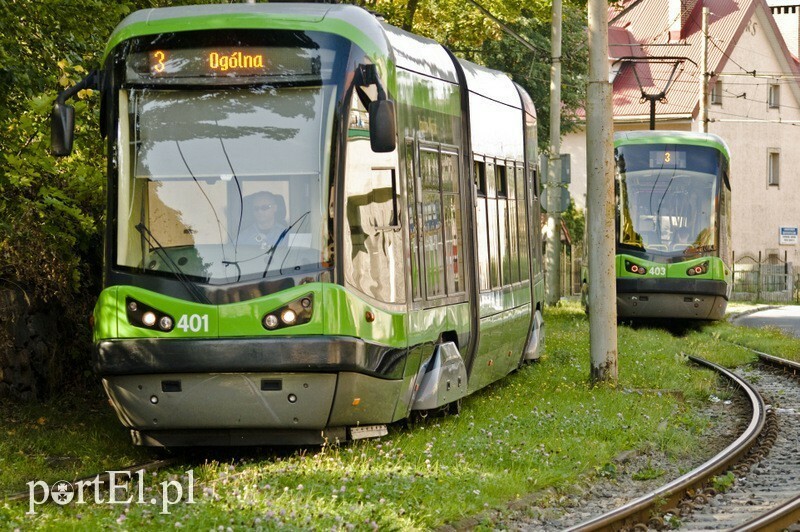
x: 673, y: 225
x: 317, y: 224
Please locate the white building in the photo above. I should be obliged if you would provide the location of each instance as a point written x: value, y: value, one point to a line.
x: 754, y: 101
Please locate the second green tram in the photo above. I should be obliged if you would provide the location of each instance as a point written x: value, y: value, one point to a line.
x: 317, y: 224
x: 673, y: 225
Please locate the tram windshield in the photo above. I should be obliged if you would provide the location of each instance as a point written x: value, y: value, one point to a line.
x: 667, y: 198
x: 223, y: 158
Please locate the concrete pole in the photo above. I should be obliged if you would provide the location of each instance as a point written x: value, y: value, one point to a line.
x: 553, y: 258
x: 600, y: 201
x: 704, y: 74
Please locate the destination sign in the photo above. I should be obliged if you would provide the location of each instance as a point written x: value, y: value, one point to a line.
x: 244, y: 61
x: 667, y: 159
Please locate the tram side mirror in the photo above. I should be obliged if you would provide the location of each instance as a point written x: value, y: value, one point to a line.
x: 62, y: 127
x: 382, y: 129
x: 62, y: 119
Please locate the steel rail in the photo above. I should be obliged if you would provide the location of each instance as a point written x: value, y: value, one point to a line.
x: 667, y: 496
x: 101, y: 477
x: 778, y: 518
x: 788, y: 512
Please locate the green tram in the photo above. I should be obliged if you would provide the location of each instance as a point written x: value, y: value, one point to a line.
x: 673, y: 225
x: 318, y: 224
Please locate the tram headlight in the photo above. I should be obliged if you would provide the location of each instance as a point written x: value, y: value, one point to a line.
x: 271, y: 321
x: 166, y: 323
x: 147, y: 317
x: 635, y: 268
x: 295, y: 312
x: 698, y: 269
x: 288, y: 316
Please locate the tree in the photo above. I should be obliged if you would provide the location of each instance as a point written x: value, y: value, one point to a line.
x: 459, y: 25
x: 51, y: 210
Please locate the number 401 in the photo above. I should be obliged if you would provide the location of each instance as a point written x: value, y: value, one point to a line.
x: 194, y: 323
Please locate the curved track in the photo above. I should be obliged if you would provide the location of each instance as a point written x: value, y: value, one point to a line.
x: 766, y: 496
x: 676, y: 497
x: 764, y: 460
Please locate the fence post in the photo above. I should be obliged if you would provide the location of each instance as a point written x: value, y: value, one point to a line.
x: 758, y: 278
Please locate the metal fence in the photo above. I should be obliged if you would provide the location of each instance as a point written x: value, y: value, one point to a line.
x: 761, y: 278
x: 767, y: 279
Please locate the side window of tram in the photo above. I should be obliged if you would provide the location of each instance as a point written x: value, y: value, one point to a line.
x: 504, y: 236
x: 491, y: 215
x: 432, y: 224
x: 522, y: 225
x: 453, y: 231
x: 442, y: 231
x: 484, y: 281
x: 374, y: 263
x: 502, y: 229
x: 413, y: 221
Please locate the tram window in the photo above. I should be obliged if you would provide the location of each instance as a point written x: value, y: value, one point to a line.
x: 481, y: 219
x: 374, y: 261
x: 491, y: 184
x: 432, y: 224
x: 503, y: 240
x: 480, y: 177
x: 522, y: 226
x: 449, y: 173
x: 411, y: 201
x: 452, y: 223
x: 502, y: 181
x: 483, y: 244
x: 513, y: 233
x: 494, y: 240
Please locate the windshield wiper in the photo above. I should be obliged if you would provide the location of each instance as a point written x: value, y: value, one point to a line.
x: 190, y: 287
x: 283, y: 234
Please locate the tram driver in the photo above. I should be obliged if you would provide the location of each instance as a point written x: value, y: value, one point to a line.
x: 268, y: 216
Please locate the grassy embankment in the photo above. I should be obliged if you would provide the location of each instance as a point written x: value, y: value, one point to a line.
x: 543, y: 427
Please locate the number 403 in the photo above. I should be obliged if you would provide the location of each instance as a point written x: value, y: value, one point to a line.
x: 193, y: 322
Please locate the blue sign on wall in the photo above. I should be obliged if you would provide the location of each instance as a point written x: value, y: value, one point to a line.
x: 789, y: 235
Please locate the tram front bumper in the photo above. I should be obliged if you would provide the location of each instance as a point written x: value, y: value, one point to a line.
x: 229, y: 355
x: 249, y: 391
x: 703, y: 299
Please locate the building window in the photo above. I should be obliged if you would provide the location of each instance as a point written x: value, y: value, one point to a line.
x: 773, y: 168
x: 716, y: 93
x: 774, y: 96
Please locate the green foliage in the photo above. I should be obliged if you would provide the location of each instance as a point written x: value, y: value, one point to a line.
x: 460, y: 25
x: 723, y: 483
x: 648, y: 473
x: 532, y: 70
x: 575, y: 220
x: 51, y: 210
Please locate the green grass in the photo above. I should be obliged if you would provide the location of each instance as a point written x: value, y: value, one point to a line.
x: 543, y: 427
x: 61, y: 440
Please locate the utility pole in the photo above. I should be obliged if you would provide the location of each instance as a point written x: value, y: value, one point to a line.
x: 600, y: 201
x: 704, y: 74
x: 553, y: 281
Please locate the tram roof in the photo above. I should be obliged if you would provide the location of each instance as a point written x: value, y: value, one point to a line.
x: 351, y: 22
x: 377, y: 38
x: 622, y: 138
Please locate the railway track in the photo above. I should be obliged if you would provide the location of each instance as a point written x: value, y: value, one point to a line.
x: 764, y: 460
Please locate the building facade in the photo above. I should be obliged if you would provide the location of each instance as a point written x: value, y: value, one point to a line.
x: 655, y: 49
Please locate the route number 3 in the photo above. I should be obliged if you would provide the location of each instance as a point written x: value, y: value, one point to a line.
x: 194, y: 323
